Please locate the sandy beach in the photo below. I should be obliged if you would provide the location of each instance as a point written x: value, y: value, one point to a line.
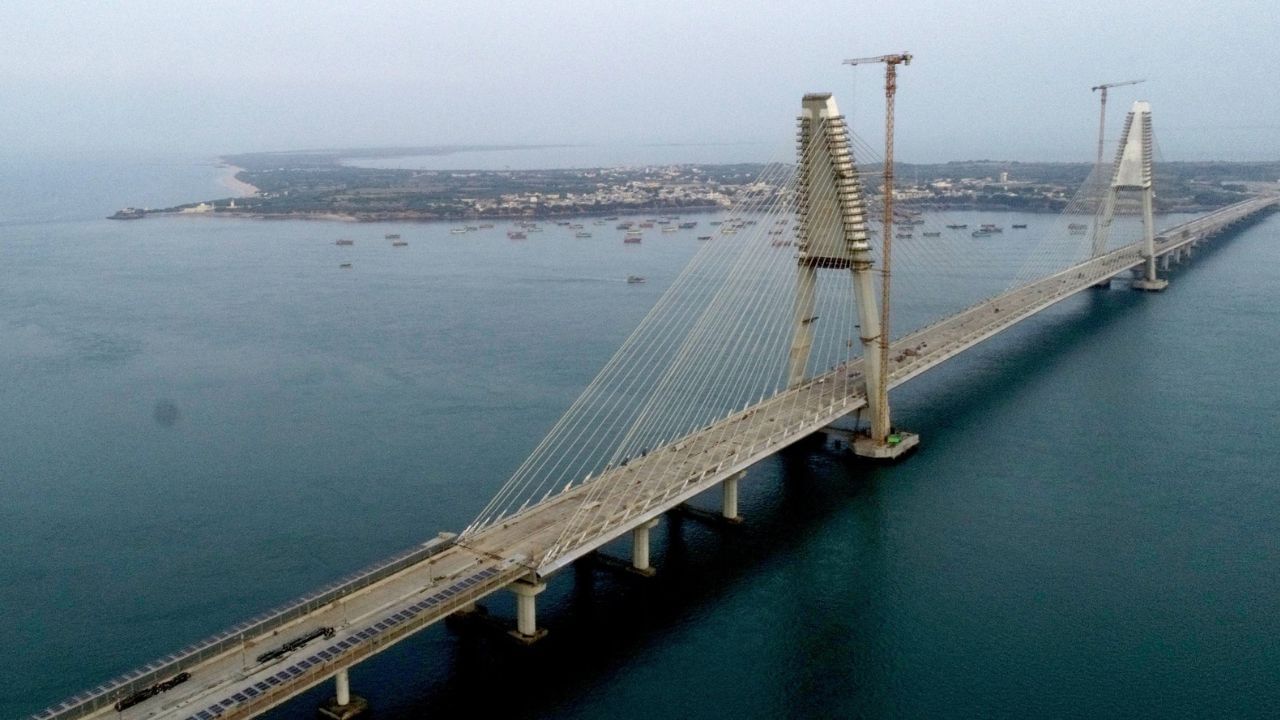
x: 239, y: 187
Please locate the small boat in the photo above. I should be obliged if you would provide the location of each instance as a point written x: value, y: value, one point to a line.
x: 458, y: 230
x: 486, y: 226
x: 632, y: 238
x: 611, y: 218
x: 516, y: 235
x: 582, y: 234
x: 646, y: 224
x: 933, y: 234
x: 1019, y: 226
x: 624, y: 226
x: 344, y: 241
x: 990, y: 228
x: 903, y: 236
x: 669, y: 228
x: 634, y: 279
x: 981, y: 233
x: 704, y: 237
x: 391, y: 236
x: 688, y: 225
x: 399, y: 243
x: 958, y: 227
x: 344, y: 265
x: 716, y: 222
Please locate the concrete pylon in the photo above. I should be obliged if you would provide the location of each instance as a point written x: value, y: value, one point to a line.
x: 1133, y: 173
x: 831, y: 232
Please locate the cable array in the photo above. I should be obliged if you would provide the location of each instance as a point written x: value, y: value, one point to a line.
x: 716, y: 342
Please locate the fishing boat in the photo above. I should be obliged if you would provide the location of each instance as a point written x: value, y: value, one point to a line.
x: 391, y: 236
x: 634, y: 279
x: 669, y: 228
x: 632, y: 237
x: 990, y: 228
x: 458, y: 230
x: 1019, y: 226
x: 344, y: 241
x: 486, y: 226
x: 517, y: 235
x: 981, y: 233
x: 704, y: 237
x: 582, y: 234
x: 958, y: 227
x: 344, y: 265
x: 688, y: 225
x: 399, y: 243
x: 933, y: 234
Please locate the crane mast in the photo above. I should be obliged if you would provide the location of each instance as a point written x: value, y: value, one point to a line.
x: 880, y: 425
x: 1102, y: 119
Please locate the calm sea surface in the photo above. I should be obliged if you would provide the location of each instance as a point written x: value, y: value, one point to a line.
x: 202, y: 418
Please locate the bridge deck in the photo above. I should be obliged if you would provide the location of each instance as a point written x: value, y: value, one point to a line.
x: 369, y: 619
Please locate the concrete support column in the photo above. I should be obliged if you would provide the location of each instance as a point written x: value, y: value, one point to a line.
x: 640, y: 547
x: 729, y: 499
x: 343, y: 705
x: 343, y: 683
x: 526, y: 610
x: 1149, y: 281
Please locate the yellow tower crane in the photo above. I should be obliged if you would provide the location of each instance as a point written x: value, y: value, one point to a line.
x: 1102, y: 119
x: 891, y: 63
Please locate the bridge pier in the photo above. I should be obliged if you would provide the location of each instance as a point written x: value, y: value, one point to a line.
x: 729, y: 498
x: 343, y: 705
x: 527, y: 630
x: 640, y: 548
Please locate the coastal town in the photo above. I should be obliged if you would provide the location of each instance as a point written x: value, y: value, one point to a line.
x: 322, y: 186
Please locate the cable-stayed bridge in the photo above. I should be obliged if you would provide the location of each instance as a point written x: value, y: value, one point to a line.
x: 772, y: 333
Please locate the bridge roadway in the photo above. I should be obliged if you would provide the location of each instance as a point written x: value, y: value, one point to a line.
x: 385, y: 604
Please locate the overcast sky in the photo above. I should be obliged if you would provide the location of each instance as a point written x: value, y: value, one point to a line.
x: 999, y: 79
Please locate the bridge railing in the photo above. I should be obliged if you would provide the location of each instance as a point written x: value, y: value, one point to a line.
x: 166, y: 667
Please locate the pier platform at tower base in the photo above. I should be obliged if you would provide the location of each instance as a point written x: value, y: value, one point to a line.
x: 1150, y: 285
x: 332, y: 710
x: 900, y: 443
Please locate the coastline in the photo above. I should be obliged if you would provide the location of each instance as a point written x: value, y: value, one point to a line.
x: 239, y: 187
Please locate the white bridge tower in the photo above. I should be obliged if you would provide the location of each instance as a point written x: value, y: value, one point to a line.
x: 1133, y: 173
x: 831, y: 231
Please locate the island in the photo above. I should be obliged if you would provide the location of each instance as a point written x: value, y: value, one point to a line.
x: 329, y: 185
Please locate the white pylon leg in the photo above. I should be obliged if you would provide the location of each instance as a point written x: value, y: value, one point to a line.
x: 1149, y: 281
x: 802, y: 342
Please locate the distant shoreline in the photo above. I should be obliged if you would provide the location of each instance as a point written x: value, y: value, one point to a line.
x: 235, y: 184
